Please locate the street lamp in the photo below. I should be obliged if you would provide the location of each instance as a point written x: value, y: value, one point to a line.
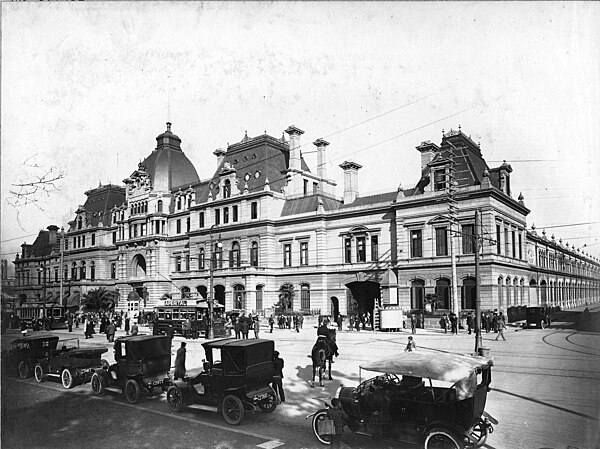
x: 213, y: 259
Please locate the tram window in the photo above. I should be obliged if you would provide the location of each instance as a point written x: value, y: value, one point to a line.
x: 57, y: 312
x: 175, y: 314
x: 167, y: 316
x: 161, y: 314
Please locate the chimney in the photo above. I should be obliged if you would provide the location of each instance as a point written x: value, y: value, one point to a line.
x: 428, y: 151
x: 350, y: 180
x: 294, y: 134
x: 52, y: 236
x: 321, y: 168
x: 220, y: 153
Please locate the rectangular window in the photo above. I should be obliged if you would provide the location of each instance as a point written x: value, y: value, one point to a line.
x: 441, y: 242
x: 514, y: 244
x: 93, y: 239
x: 305, y: 298
x: 468, y: 232
x: 74, y: 242
x: 178, y: 226
x: 347, y: 250
x: 178, y: 263
x: 303, y: 253
x: 225, y: 215
x: 520, y: 247
x: 259, y: 298
x: 506, y: 243
x: 56, y: 275
x: 254, y: 210
x: 66, y: 244
x: 93, y: 272
x: 187, y: 262
x: 114, y: 237
x: 305, y: 187
x: 374, y: 248
x: 234, y: 214
x: 135, y: 230
x: 361, y: 253
x: 201, y: 219
x: 217, y: 217
x: 439, y: 180
x: 498, y: 245
x: 416, y: 243
x: 254, y: 255
x: 287, y: 255
x: 66, y: 274
x: 188, y: 224
x: 201, y: 259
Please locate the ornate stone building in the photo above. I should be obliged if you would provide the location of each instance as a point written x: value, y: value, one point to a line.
x: 266, y: 219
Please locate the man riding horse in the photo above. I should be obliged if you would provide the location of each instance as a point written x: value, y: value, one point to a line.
x: 323, y: 350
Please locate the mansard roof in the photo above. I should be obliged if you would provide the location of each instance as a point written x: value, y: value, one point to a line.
x: 372, y: 200
x: 99, y: 202
x: 308, y: 204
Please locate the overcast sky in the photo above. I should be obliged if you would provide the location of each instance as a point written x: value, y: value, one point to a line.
x: 88, y: 87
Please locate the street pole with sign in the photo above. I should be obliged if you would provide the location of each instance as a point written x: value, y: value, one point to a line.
x: 213, y: 260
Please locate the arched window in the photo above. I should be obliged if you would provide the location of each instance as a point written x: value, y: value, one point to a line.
x: 159, y: 206
x: 305, y: 297
x: 218, y: 255
x: 259, y: 297
x: 508, y: 298
x: 227, y: 189
x: 234, y: 256
x: 254, y: 254
x: 468, y: 294
x: 500, y: 295
x: 417, y: 294
x: 442, y: 290
x: 185, y: 292
x: 543, y: 292
x: 93, y: 271
x: 74, y: 271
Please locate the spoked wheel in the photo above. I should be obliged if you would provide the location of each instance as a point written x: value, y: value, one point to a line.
x: 322, y: 427
x: 175, y: 398
x: 38, y: 372
x: 132, y: 391
x: 67, y: 378
x: 479, y: 432
x: 24, y: 370
x: 269, y: 404
x: 97, y: 384
x: 232, y: 410
x: 442, y: 439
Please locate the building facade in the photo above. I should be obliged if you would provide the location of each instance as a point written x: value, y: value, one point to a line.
x: 265, y: 220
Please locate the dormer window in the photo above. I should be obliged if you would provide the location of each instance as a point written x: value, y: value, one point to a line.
x: 80, y: 223
x: 439, y: 180
x: 227, y: 189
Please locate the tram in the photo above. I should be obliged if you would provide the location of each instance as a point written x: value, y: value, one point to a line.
x: 33, y: 315
x: 174, y: 312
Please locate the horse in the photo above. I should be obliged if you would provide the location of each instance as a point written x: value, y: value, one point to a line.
x: 321, y: 352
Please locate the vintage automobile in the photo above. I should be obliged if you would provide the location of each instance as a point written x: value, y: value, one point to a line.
x: 142, y: 365
x: 538, y: 317
x: 447, y: 412
x: 26, y: 351
x: 73, y: 366
x: 236, y: 378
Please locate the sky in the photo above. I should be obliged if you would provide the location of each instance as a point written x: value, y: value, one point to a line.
x: 87, y: 86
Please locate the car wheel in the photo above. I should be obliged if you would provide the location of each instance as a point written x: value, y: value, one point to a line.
x: 98, y: 383
x: 175, y: 398
x: 479, y: 432
x: 132, y: 391
x: 442, y: 439
x: 322, y: 427
x: 269, y: 404
x: 24, y: 370
x: 38, y: 372
x: 67, y: 378
x: 232, y: 410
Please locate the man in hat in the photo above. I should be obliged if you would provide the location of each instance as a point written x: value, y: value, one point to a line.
x: 410, y: 346
x: 180, y: 362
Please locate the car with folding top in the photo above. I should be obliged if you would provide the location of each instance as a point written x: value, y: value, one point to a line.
x: 236, y: 378
x: 24, y: 352
x: 141, y: 368
x: 71, y: 365
x: 434, y: 399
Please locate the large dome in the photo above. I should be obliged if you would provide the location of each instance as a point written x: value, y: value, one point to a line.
x: 167, y: 166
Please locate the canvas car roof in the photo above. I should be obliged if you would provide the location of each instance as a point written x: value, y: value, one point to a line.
x: 37, y: 337
x: 78, y: 351
x: 140, y: 338
x: 435, y: 365
x: 237, y: 343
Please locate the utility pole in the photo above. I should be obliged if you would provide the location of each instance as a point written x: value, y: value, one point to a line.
x: 451, y: 184
x: 61, y: 270
x: 477, y: 244
x: 213, y: 260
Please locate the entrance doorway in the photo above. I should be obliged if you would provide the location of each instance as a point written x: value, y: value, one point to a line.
x: 362, y: 296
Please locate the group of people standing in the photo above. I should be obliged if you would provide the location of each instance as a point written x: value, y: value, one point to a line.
x: 490, y: 321
x: 109, y: 323
x: 242, y: 325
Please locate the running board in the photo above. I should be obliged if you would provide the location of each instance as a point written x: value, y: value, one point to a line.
x: 209, y: 408
x: 53, y: 375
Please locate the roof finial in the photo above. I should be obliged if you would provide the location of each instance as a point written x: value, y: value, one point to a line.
x: 168, y: 126
x: 459, y: 127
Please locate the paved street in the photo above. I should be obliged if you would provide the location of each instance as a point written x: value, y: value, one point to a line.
x: 545, y: 393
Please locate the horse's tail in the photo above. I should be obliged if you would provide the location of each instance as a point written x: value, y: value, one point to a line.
x: 322, y: 356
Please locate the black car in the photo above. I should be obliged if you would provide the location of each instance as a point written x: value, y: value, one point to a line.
x: 236, y: 378
x: 25, y: 352
x: 142, y: 365
x: 538, y: 317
